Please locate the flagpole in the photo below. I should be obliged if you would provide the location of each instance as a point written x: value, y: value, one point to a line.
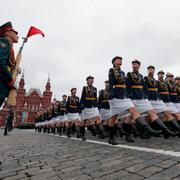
x: 25, y: 39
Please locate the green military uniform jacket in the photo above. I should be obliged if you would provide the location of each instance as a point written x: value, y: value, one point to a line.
x: 5, y: 68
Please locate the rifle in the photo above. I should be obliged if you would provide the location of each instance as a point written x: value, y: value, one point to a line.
x: 11, y: 100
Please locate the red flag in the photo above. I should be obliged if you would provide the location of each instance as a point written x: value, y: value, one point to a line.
x: 33, y: 30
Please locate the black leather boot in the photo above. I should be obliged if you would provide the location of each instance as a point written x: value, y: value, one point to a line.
x: 78, y: 131
x: 73, y: 129
x: 68, y: 131
x: 60, y: 131
x: 175, y: 124
x: 135, y: 130
x: 82, y: 132
x: 111, y: 136
x: 144, y: 125
x: 102, y: 134
x: 64, y: 129
x: 115, y: 131
x: 44, y: 130
x: 48, y: 130
x: 93, y: 129
x: 5, y: 131
x: 53, y: 130
x: 106, y: 127
x: 127, y: 129
x: 166, y: 132
x: 120, y: 129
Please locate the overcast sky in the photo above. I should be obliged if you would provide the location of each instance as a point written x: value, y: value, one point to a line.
x: 82, y: 36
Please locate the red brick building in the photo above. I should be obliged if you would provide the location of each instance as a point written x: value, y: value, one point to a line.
x: 28, y: 103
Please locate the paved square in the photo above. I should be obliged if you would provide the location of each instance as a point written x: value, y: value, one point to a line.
x: 30, y: 155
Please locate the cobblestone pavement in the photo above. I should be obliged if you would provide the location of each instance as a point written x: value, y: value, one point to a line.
x: 30, y: 155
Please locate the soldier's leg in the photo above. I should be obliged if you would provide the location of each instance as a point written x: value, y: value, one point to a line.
x: 136, y: 118
x: 52, y: 129
x: 77, y: 126
x: 105, y: 125
x: 128, y: 129
x: 135, y: 129
x: 5, y: 131
x: 82, y: 129
x: 64, y: 128
x: 100, y: 128
x: 44, y: 129
x: 58, y: 127
x: 171, y: 121
x: 61, y: 128
x: 119, y: 126
x: 111, y: 123
x: 73, y: 127
x: 157, y: 121
x: 48, y: 128
x: 68, y: 129
x: 177, y: 116
x: 92, y: 126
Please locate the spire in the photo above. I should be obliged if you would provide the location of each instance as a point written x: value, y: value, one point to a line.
x: 22, y: 77
x: 21, y: 82
x: 49, y: 77
x: 47, y: 94
x: 48, y: 85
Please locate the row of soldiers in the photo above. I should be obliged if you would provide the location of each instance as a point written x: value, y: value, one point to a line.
x: 129, y: 104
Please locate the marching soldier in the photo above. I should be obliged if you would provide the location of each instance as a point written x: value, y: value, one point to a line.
x: 173, y: 93
x: 73, y: 109
x: 58, y: 123
x: 56, y: 115
x: 9, y: 120
x: 8, y: 36
x: 164, y: 95
x: 151, y: 89
x: 90, y: 112
x: 104, y: 108
x: 121, y: 105
x: 134, y: 82
x: 63, y: 115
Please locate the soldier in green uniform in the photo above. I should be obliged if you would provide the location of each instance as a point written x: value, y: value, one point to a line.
x: 9, y: 120
x: 8, y: 36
